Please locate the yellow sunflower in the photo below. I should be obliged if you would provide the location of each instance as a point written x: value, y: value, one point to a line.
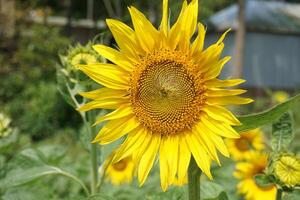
x: 287, y: 169
x: 120, y: 172
x: 280, y: 96
x: 246, y: 170
x: 249, y: 141
x: 165, y: 94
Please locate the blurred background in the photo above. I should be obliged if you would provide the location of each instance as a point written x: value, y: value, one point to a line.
x: 264, y: 43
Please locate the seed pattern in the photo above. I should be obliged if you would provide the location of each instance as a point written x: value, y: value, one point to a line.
x: 164, y: 95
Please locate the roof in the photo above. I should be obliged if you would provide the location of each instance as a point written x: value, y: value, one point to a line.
x: 271, y: 16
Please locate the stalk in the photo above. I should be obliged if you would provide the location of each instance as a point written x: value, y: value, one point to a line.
x: 94, y: 156
x: 279, y: 194
x: 194, y: 180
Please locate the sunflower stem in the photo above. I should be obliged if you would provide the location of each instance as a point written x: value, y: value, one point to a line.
x: 93, y: 154
x: 194, y: 180
x: 279, y: 194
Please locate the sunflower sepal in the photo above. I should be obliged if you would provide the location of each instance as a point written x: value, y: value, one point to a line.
x: 264, y: 180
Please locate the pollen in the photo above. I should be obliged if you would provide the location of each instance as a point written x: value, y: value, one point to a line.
x: 165, y: 92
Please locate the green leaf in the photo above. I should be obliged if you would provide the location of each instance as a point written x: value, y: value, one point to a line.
x: 222, y: 196
x: 263, y: 180
x: 282, y: 133
x: 210, y: 190
x: 22, y: 176
x: 253, y: 121
x: 99, y: 197
x: 32, y: 166
x: 62, y: 85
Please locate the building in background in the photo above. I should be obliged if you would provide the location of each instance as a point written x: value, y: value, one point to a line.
x: 272, y: 42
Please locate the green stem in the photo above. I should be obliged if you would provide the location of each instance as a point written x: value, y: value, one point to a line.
x: 194, y: 180
x: 66, y: 174
x: 94, y: 157
x: 279, y: 194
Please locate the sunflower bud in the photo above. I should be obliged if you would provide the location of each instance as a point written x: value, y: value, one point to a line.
x: 287, y: 170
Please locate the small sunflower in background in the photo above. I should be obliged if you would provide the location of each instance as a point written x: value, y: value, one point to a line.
x: 249, y: 141
x: 287, y: 170
x: 120, y: 172
x: 82, y: 55
x: 165, y: 94
x: 280, y: 96
x: 245, y: 171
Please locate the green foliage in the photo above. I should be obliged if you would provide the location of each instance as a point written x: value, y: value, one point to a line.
x: 210, y: 190
x: 29, y: 93
x: 263, y: 180
x: 282, y: 133
x: 266, y: 117
x: 99, y: 197
x: 221, y: 196
x: 30, y: 165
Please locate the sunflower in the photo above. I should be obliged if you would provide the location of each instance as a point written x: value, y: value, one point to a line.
x: 246, y: 170
x: 120, y: 172
x: 165, y: 94
x: 287, y: 169
x: 249, y: 141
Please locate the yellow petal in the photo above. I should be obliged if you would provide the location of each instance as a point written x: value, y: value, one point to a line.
x: 124, y: 36
x: 174, y: 36
x: 221, y: 114
x: 200, y: 156
x: 163, y: 165
x: 185, y: 26
x: 219, y: 128
x: 209, y: 58
x: 107, y: 74
x: 146, y: 34
x: 115, y: 129
x: 223, y: 83
x: 198, y: 43
x: 184, y: 156
x: 148, y: 158
x: 123, y: 111
x: 171, y: 143
x: 218, y: 141
x: 205, y: 142
x: 133, y: 141
x: 111, y: 103
x: 215, y: 70
x: 104, y: 93
x: 229, y: 100
x: 223, y: 36
x: 114, y: 56
x: 189, y: 24
x: 164, y: 26
x: 224, y: 92
x: 137, y: 155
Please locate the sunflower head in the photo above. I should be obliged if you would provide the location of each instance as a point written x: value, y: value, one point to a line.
x: 165, y: 94
x: 120, y: 172
x: 256, y: 163
x: 287, y: 170
x: 249, y: 141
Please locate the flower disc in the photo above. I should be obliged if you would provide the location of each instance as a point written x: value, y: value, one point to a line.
x: 164, y: 95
